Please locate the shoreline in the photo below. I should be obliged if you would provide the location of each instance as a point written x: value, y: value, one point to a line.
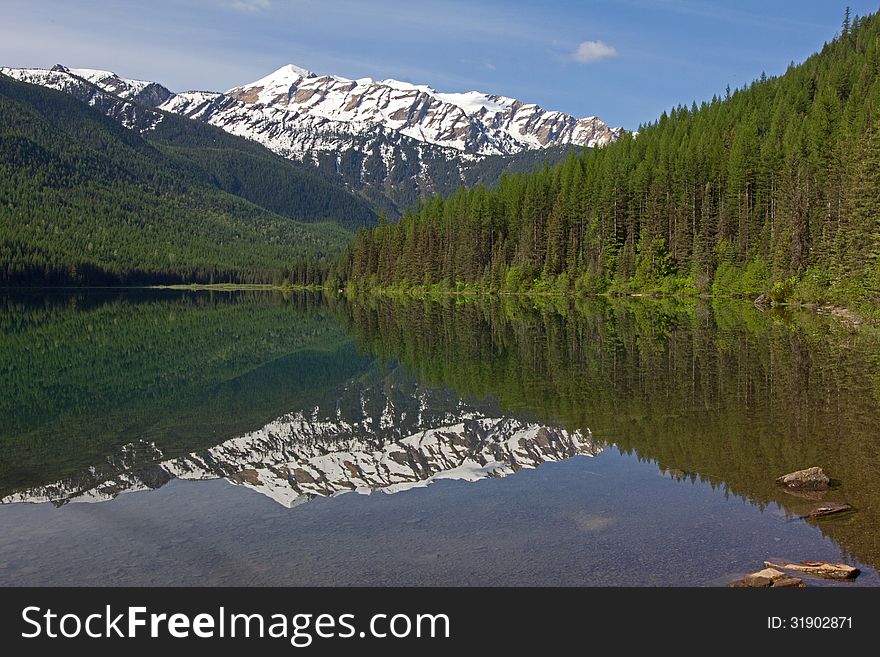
x: 854, y: 317
x: 222, y: 287
x: 237, y: 287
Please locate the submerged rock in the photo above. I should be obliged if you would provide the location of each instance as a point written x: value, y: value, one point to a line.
x: 765, y: 579
x: 809, y: 479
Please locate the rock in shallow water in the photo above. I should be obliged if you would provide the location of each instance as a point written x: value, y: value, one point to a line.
x: 765, y: 579
x: 789, y: 582
x: 809, y: 479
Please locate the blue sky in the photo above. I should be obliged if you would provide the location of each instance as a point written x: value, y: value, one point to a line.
x: 624, y: 61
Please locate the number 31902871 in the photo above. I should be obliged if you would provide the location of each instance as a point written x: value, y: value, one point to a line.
x: 810, y: 623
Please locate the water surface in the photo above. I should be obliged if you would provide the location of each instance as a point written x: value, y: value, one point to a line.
x: 256, y: 439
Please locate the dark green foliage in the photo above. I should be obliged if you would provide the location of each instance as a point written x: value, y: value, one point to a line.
x: 488, y: 171
x: 84, y: 200
x: 772, y: 189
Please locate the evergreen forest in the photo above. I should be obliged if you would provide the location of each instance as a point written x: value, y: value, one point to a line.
x: 770, y: 189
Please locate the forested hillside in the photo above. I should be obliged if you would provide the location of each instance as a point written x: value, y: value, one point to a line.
x: 247, y: 169
x: 85, y: 200
x: 773, y: 188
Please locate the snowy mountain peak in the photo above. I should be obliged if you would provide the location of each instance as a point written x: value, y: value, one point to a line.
x: 125, y: 88
x: 406, y: 86
x: 276, y: 87
x: 471, y: 122
x: 293, y: 69
x: 128, y: 101
x: 288, y: 74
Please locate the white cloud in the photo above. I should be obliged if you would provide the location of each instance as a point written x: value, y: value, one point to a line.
x: 486, y: 64
x: 249, y: 5
x: 592, y: 51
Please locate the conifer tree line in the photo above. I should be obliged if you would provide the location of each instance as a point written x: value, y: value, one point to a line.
x: 773, y: 188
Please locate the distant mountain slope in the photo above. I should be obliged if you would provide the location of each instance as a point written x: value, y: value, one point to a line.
x: 391, y: 141
x: 84, y: 199
x: 235, y: 164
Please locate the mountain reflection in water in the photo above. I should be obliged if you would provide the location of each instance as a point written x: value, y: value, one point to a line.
x: 297, y: 458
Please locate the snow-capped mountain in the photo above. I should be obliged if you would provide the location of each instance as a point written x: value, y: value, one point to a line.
x: 287, y: 109
x: 119, y: 99
x: 473, y: 122
x: 371, y: 134
x: 143, y: 91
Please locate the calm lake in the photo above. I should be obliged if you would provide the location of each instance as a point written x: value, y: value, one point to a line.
x: 206, y: 438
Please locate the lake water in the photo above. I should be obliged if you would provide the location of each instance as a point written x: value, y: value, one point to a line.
x: 198, y: 438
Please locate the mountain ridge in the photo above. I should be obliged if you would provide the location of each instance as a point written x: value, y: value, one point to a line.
x: 391, y: 142
x: 501, y: 125
x: 471, y: 122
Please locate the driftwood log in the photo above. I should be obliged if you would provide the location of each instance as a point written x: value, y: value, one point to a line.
x: 819, y: 569
x: 829, y: 508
